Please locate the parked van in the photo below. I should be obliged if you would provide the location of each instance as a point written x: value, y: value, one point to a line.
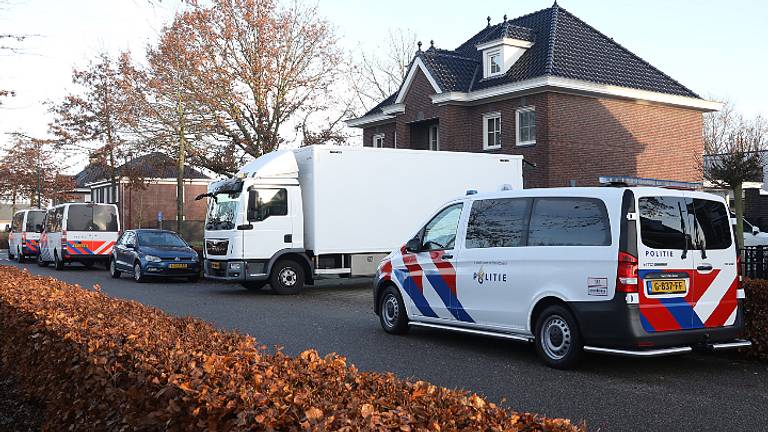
x: 79, y: 232
x: 24, y: 238
x: 638, y: 271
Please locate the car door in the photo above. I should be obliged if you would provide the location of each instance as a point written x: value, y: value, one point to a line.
x: 429, y: 277
x: 272, y: 224
x: 666, y: 263
x: 126, y: 250
x: 716, y: 275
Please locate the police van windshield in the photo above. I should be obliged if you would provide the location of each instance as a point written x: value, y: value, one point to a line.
x: 34, y: 221
x: 675, y: 222
x: 222, y: 211
x: 92, y: 217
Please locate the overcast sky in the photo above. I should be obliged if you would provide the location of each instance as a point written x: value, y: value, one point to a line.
x: 718, y: 49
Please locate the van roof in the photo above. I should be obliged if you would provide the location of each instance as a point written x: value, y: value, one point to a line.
x: 594, y: 192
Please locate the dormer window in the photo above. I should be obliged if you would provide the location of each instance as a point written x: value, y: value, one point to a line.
x: 494, y: 62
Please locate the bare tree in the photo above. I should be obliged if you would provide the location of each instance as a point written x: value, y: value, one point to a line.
x: 734, y: 146
x: 377, y: 76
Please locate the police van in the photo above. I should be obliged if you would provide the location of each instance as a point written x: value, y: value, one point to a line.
x: 78, y: 232
x: 633, y: 271
x: 24, y: 238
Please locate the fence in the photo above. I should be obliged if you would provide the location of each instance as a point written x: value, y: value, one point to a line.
x: 754, y: 262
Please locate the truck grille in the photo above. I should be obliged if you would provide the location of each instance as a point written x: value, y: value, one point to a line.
x: 216, y: 247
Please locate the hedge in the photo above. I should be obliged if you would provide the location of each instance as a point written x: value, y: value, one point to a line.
x: 756, y: 316
x: 98, y: 363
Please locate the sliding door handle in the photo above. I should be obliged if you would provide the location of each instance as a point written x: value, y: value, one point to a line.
x: 447, y: 256
x: 704, y: 268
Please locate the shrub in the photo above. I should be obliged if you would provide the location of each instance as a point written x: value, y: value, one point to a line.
x: 756, y: 316
x: 99, y: 363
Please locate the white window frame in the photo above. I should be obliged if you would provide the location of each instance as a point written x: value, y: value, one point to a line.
x: 491, y: 54
x: 379, y: 137
x: 486, y: 117
x: 434, y: 136
x: 518, y: 125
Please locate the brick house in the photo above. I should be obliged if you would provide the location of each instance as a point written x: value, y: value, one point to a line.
x: 139, y: 208
x: 551, y: 88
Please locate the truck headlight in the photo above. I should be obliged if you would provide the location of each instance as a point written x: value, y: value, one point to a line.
x: 152, y: 258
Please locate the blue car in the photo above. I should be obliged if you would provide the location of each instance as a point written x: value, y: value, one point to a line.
x: 152, y: 252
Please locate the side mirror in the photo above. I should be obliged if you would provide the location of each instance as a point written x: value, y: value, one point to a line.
x: 755, y: 230
x: 252, y: 211
x: 130, y: 246
x: 38, y: 228
x: 413, y: 245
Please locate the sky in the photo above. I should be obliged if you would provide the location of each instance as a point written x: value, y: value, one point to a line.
x: 718, y: 49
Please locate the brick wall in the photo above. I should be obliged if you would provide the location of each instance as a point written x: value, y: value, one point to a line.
x: 139, y: 208
x: 578, y: 138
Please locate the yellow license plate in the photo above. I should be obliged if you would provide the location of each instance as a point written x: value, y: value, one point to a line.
x: 215, y: 265
x: 177, y: 266
x: 667, y: 287
x: 78, y: 245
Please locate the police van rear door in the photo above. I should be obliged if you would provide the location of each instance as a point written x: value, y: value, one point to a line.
x: 666, y: 262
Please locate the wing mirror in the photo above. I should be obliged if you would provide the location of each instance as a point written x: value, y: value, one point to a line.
x: 755, y: 230
x: 413, y: 245
x: 38, y: 228
x: 130, y: 246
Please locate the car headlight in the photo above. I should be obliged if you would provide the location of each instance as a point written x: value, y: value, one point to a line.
x: 152, y: 258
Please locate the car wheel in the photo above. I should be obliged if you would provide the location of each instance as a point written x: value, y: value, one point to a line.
x: 138, y: 275
x: 40, y: 261
x: 58, y: 263
x: 287, y: 277
x: 392, y: 315
x: 253, y: 285
x: 113, y: 271
x: 558, y: 341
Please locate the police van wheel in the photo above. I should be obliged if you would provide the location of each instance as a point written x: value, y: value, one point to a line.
x: 287, y: 277
x: 392, y: 314
x: 558, y: 341
x: 113, y: 271
x: 40, y: 261
x: 21, y: 257
x: 57, y: 262
x: 10, y: 255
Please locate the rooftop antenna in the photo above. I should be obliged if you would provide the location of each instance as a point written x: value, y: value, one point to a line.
x: 419, y: 45
x: 505, y: 17
x: 432, y: 43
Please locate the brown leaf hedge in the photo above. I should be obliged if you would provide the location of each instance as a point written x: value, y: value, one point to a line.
x: 756, y: 317
x: 98, y: 363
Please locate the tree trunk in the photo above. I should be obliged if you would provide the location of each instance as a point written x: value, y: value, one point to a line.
x: 738, y: 201
x: 180, y: 163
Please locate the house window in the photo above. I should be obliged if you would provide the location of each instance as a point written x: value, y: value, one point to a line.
x: 434, y: 138
x: 494, y: 63
x: 491, y: 131
x: 526, y: 126
x: 378, y: 141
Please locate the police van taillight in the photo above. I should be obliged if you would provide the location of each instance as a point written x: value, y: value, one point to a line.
x: 63, y: 238
x: 626, y: 275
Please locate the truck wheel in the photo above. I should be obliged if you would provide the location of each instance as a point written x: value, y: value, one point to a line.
x: 113, y: 271
x: 57, y: 262
x: 253, y: 285
x: 40, y: 261
x: 558, y: 341
x: 392, y: 314
x: 287, y: 277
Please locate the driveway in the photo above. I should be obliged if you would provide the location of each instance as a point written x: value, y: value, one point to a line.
x: 692, y: 392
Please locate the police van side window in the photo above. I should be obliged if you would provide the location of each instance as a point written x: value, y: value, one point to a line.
x: 569, y: 222
x: 16, y: 222
x: 498, y: 223
x: 666, y: 222
x: 440, y: 232
x: 712, y: 224
x: 58, y: 223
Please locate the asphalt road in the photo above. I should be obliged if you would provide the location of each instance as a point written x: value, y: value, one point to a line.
x: 691, y: 392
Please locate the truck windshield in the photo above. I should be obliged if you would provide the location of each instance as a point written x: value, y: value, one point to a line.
x: 222, y: 211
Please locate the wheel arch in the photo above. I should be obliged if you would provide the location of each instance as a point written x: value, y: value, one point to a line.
x: 378, y: 291
x: 298, y: 255
x: 541, y: 304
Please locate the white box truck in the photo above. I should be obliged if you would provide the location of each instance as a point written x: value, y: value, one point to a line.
x: 291, y: 215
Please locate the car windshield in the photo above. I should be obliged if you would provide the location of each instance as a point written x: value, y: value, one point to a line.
x: 160, y: 238
x: 222, y: 211
x: 92, y: 217
x: 34, y: 221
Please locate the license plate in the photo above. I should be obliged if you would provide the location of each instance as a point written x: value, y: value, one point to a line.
x: 177, y: 266
x: 215, y: 265
x: 78, y: 245
x: 667, y: 287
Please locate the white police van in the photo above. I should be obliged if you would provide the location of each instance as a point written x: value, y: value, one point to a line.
x: 24, y: 238
x: 635, y: 271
